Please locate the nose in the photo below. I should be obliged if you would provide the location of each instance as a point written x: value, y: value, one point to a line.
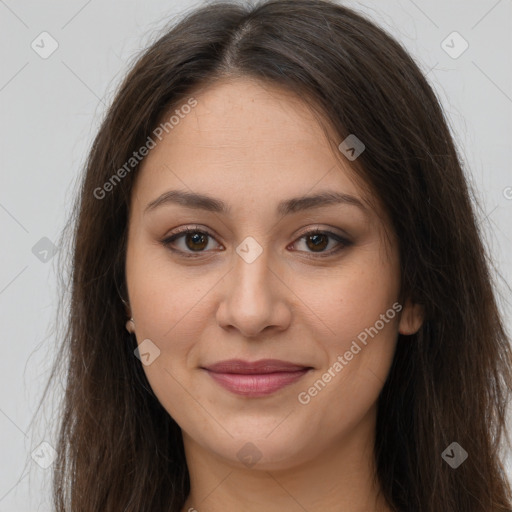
x: 254, y: 298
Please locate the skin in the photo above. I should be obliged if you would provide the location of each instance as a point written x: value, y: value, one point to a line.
x: 253, y: 145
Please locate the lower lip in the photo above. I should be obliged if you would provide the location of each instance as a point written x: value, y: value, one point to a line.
x: 257, y: 384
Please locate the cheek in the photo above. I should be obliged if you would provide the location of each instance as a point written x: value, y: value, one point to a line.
x: 169, y: 311
x: 345, y: 301
x: 357, y: 362
x: 168, y: 299
x: 172, y: 311
x: 365, y: 303
x: 358, y: 309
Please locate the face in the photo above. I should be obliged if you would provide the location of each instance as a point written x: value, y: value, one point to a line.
x: 262, y: 274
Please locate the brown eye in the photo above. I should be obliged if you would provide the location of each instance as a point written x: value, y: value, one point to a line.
x: 196, y: 240
x: 316, y: 242
x: 189, y: 242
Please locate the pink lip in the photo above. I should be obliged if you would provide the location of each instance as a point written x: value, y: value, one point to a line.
x: 258, y: 378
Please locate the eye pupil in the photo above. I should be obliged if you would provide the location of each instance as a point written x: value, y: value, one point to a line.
x: 317, y: 241
x: 196, y: 238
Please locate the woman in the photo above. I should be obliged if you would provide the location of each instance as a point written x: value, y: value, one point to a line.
x: 280, y: 297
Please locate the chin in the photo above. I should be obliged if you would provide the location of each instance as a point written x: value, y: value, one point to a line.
x: 256, y: 452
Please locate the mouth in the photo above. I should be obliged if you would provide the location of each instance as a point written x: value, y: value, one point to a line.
x: 258, y: 378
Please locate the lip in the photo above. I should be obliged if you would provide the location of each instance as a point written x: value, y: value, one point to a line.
x: 257, y: 378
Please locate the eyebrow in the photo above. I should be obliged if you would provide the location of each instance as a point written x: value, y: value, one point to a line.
x: 204, y: 202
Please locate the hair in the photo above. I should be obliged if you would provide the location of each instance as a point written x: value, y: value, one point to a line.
x: 118, y: 448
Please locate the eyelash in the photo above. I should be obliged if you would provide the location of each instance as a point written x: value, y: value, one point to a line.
x: 166, y: 242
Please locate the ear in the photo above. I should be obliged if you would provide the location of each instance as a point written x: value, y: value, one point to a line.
x: 411, y: 318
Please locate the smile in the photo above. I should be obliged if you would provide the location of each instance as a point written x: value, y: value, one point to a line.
x: 257, y: 379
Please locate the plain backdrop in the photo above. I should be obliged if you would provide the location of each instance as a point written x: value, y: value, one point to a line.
x: 51, y: 107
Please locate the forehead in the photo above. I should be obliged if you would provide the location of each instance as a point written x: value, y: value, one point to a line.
x: 247, y: 132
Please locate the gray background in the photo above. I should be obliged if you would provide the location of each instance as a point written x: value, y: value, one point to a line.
x: 51, y: 108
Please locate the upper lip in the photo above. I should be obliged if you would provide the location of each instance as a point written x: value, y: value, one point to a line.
x: 254, y: 367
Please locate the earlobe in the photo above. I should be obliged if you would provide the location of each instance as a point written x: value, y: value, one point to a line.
x: 411, y: 318
x: 130, y: 326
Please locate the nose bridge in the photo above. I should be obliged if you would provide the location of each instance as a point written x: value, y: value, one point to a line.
x: 253, y: 299
x: 251, y: 280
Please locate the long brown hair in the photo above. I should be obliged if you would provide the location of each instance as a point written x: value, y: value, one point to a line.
x: 118, y: 449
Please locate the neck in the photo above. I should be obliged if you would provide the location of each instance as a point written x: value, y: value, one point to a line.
x: 340, y: 478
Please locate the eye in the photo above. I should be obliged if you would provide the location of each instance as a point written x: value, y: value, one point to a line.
x: 316, y: 241
x: 194, y: 240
